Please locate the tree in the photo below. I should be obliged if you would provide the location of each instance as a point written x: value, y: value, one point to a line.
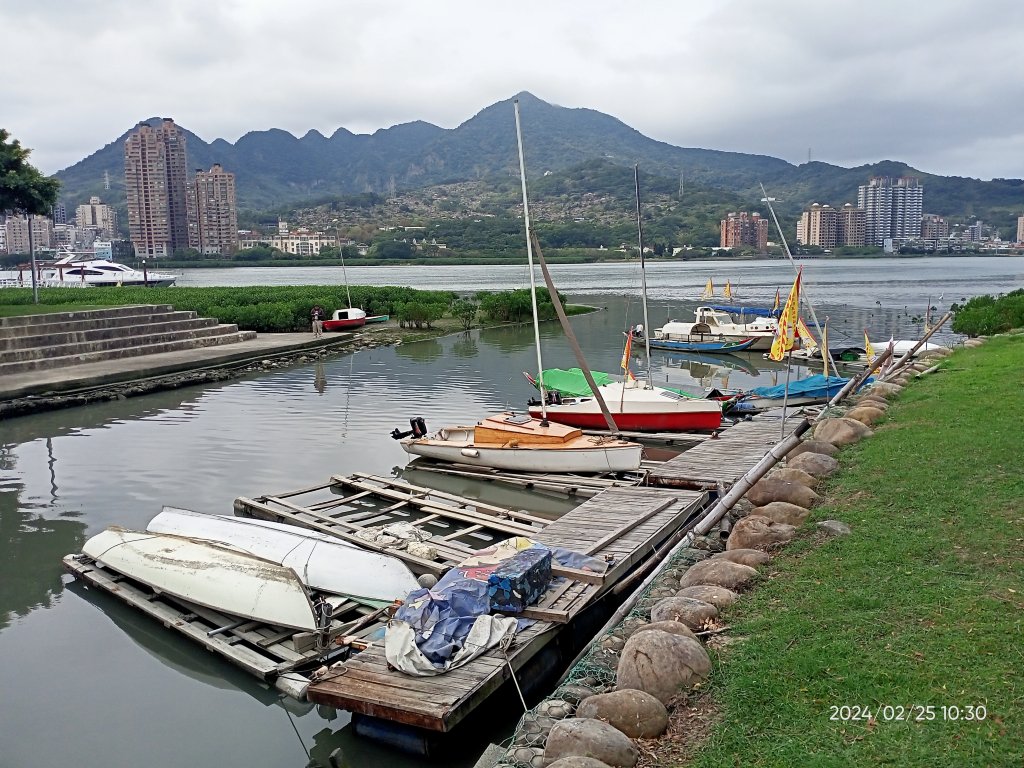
x: 23, y: 189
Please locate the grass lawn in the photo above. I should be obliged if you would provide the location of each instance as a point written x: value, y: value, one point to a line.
x: 920, y: 609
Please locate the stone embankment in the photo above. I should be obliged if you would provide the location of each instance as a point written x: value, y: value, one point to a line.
x: 623, y: 691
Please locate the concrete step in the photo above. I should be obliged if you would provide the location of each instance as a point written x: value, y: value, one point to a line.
x: 85, y: 321
x: 114, y: 343
x: 188, y: 322
x: 230, y: 337
x: 88, y: 314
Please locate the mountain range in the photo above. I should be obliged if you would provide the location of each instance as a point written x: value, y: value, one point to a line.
x: 274, y: 169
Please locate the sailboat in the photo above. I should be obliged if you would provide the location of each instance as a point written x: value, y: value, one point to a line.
x: 636, y: 406
x: 349, y: 317
x: 519, y: 442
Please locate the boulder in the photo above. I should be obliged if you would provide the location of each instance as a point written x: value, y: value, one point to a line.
x: 636, y: 713
x: 751, y: 557
x: 781, y: 512
x: 672, y: 627
x: 577, y: 762
x: 815, y: 464
x: 874, y: 402
x: 756, y: 532
x: 972, y: 343
x: 686, y: 610
x: 812, y: 446
x: 834, y: 528
x: 718, y: 572
x: 866, y: 414
x: 719, y: 597
x: 586, y: 737
x: 884, y: 390
x: 769, y: 489
x: 841, y: 431
x: 794, y: 475
x: 661, y: 664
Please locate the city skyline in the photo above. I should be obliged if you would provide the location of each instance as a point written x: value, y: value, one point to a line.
x: 932, y: 84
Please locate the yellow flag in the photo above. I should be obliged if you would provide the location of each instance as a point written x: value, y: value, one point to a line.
x: 625, y: 355
x: 778, y: 302
x: 868, y: 349
x: 824, y: 346
x: 727, y: 291
x: 807, y: 341
x: 709, y: 290
x: 785, y: 337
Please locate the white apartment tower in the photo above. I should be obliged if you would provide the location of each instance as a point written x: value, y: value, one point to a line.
x: 95, y: 216
x: 893, y: 208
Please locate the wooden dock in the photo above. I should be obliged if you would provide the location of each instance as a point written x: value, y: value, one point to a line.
x: 621, y: 525
x: 726, y: 458
x: 280, y: 656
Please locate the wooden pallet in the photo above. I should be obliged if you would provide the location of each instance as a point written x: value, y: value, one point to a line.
x: 621, y: 525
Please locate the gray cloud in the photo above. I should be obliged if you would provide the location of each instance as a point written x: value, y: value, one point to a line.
x: 935, y: 83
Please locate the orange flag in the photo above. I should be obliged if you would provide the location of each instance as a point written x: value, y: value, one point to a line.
x: 625, y: 355
x: 785, y: 337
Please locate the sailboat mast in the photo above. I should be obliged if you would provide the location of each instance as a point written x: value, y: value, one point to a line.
x: 529, y: 258
x: 643, y: 275
x: 344, y: 274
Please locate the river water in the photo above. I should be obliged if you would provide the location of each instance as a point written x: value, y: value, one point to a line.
x: 89, y: 682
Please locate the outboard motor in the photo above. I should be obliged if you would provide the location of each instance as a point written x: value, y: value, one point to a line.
x: 418, y: 429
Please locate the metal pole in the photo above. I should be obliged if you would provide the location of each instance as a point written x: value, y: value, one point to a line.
x: 529, y: 258
x: 32, y: 254
x: 344, y: 274
x: 643, y: 275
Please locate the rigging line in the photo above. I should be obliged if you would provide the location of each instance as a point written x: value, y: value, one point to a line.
x: 301, y: 742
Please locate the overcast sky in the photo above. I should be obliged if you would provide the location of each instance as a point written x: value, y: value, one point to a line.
x: 938, y: 84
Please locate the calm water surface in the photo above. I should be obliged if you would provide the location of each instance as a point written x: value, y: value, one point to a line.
x: 89, y: 682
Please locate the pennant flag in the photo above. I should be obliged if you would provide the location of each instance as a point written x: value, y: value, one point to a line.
x: 785, y: 337
x: 824, y: 347
x: 625, y: 356
x: 807, y: 341
x: 778, y: 302
x: 868, y: 349
x: 709, y: 290
x: 727, y: 291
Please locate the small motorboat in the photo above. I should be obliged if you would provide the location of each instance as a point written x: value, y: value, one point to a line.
x: 719, y: 328
x: 520, y: 443
x: 321, y: 561
x: 377, y: 319
x: 345, y: 319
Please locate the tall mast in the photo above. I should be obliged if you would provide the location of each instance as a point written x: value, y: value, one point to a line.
x: 529, y: 258
x: 643, y: 275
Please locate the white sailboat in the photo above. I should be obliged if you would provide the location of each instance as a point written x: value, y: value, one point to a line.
x: 321, y: 561
x: 207, y: 574
x: 636, y: 406
x: 520, y: 442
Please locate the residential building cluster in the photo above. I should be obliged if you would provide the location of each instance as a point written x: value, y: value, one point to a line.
x: 167, y: 210
x: 744, y: 229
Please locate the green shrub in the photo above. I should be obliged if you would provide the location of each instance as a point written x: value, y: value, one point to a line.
x: 985, y: 315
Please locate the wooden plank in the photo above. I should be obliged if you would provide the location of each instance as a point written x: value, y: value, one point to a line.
x: 577, y: 574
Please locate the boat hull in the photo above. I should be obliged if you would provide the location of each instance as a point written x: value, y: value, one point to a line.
x: 695, y: 421
x: 598, y: 458
x: 377, y: 319
x: 216, y: 577
x: 321, y: 561
x: 726, y: 345
x: 344, y: 325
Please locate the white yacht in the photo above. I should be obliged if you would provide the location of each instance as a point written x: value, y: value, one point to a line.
x: 79, y: 269
x: 727, y: 323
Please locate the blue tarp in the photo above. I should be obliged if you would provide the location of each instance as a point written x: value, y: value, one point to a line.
x: 734, y: 309
x: 813, y: 386
x: 443, y: 615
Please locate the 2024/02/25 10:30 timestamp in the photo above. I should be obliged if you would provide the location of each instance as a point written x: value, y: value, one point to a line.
x: 920, y: 713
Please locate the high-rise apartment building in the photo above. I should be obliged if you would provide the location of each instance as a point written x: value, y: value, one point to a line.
x: 60, y: 214
x: 156, y: 180
x: 852, y: 223
x: 893, y: 208
x: 1020, y: 229
x: 213, y: 212
x: 17, y: 233
x: 934, y: 227
x: 743, y: 229
x: 819, y: 225
x: 95, y: 216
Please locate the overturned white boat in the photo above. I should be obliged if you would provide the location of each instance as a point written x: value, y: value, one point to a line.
x: 207, y: 574
x: 321, y: 561
x: 519, y: 443
x: 723, y: 323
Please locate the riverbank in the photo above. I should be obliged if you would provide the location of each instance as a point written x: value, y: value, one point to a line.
x: 896, y: 643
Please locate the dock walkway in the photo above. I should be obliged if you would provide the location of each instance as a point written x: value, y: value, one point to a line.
x: 726, y: 458
x: 621, y: 525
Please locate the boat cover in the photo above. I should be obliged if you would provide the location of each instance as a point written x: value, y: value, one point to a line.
x: 813, y: 386
x: 448, y: 625
x: 572, y: 382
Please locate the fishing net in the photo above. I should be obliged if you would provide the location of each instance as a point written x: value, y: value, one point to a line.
x: 595, y: 671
